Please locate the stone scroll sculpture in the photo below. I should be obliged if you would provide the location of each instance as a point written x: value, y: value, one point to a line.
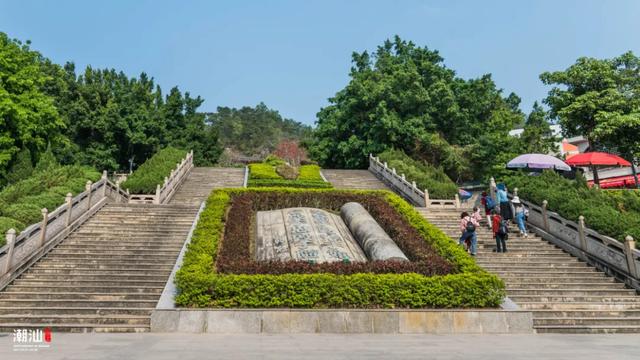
x: 371, y: 237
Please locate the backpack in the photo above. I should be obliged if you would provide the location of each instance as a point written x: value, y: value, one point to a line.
x: 470, y: 227
x: 504, y: 228
x: 489, y: 203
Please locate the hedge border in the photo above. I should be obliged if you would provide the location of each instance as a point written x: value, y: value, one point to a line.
x: 199, y: 286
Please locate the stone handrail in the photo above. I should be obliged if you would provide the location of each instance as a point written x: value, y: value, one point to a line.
x: 171, y: 183
x: 407, y: 189
x: 24, y: 249
x: 606, y: 253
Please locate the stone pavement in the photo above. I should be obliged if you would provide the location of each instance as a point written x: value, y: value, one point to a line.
x: 197, y: 346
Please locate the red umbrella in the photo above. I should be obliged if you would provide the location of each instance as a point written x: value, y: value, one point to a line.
x: 594, y: 159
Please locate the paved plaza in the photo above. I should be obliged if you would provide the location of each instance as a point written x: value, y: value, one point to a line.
x: 202, y: 346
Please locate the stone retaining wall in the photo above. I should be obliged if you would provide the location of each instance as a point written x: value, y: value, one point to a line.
x: 279, y: 321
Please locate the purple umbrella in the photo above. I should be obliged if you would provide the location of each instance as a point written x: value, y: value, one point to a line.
x: 537, y: 161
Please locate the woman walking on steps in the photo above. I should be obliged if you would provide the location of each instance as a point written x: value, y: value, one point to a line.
x: 468, y: 227
x: 521, y: 214
x: 503, y: 199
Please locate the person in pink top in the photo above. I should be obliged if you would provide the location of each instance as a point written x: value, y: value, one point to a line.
x: 468, y: 225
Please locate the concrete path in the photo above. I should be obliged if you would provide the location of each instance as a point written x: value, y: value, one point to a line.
x: 188, y: 346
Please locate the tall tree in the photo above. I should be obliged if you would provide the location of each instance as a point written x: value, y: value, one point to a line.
x: 600, y: 99
x: 537, y: 136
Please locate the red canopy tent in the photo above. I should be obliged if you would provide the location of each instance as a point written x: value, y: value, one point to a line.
x: 594, y: 159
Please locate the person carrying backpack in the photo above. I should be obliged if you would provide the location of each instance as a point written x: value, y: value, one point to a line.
x: 500, y: 231
x: 468, y: 227
x: 489, y: 204
x: 521, y: 214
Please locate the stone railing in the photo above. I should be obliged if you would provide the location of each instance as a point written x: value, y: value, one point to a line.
x: 171, y: 183
x: 24, y: 249
x: 406, y: 189
x: 615, y: 258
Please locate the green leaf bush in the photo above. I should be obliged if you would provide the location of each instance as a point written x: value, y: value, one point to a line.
x: 153, y: 171
x: 200, y: 286
x: 425, y: 175
x: 614, y: 213
x: 21, y: 203
x: 266, y: 174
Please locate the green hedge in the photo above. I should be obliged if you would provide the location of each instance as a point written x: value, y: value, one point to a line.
x: 615, y: 213
x: 265, y: 175
x: 145, y: 179
x: 425, y: 175
x: 22, y: 202
x: 199, y: 286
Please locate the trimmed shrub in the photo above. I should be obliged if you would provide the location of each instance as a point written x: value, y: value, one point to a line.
x: 263, y: 171
x: 287, y: 172
x: 310, y: 173
x: 24, y: 200
x: 425, y: 175
x: 613, y: 213
x: 289, y: 183
x: 22, y: 168
x: 200, y: 286
x: 153, y: 171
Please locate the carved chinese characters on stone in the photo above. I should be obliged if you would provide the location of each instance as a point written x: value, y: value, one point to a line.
x: 305, y: 234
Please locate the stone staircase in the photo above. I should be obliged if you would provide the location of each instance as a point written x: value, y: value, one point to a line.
x: 353, y: 179
x: 106, y: 276
x: 202, y: 180
x: 564, y: 294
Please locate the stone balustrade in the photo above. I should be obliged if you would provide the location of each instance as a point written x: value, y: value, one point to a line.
x: 408, y: 190
x: 24, y: 249
x: 619, y: 259
x: 170, y: 185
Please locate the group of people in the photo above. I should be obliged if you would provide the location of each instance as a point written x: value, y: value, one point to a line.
x: 498, y: 216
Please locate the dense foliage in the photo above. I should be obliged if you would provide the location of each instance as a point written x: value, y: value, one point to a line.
x: 21, y: 202
x: 235, y: 255
x: 266, y: 174
x: 612, y: 213
x: 255, y: 130
x: 100, y: 118
x: 425, y: 175
x: 153, y: 171
x: 200, y: 286
x: 600, y: 99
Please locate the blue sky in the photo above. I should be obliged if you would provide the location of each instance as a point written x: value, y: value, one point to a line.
x: 293, y: 55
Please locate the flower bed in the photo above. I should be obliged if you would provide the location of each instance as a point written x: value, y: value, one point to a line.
x: 221, y: 273
x: 265, y: 175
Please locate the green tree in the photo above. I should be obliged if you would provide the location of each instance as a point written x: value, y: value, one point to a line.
x: 600, y: 99
x: 404, y: 97
x: 28, y: 117
x: 22, y: 167
x: 537, y: 136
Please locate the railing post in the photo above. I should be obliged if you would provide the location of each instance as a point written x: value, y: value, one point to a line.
x: 515, y: 191
x: 413, y: 184
x: 69, y: 201
x: 629, y: 245
x: 545, y: 216
x: 457, y: 201
x: 156, y: 199
x: 393, y: 171
x: 104, y: 185
x: 581, y: 233
x: 118, y: 191
x: 403, y: 178
x: 87, y: 188
x: 426, y: 198
x: 43, y: 227
x: 385, y: 165
x: 11, y: 242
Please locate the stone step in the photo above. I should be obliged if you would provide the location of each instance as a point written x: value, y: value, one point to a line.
x: 93, y: 276
x: 139, y: 320
x: 78, y: 250
x: 525, y: 285
x: 80, y: 283
x: 585, y: 313
x: 75, y: 328
x: 512, y: 279
x: 119, y: 246
x: 526, y: 265
x: 70, y: 303
x: 98, y: 296
x: 542, y: 271
x: 587, y: 321
x: 529, y: 261
x: 593, y: 329
x: 124, y: 271
x: 599, y: 299
x: 91, y: 261
x: 570, y: 292
x: 111, y: 255
x: 87, y: 289
x: 138, y: 240
x: 49, y: 267
x: 104, y: 311
x: 578, y: 305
